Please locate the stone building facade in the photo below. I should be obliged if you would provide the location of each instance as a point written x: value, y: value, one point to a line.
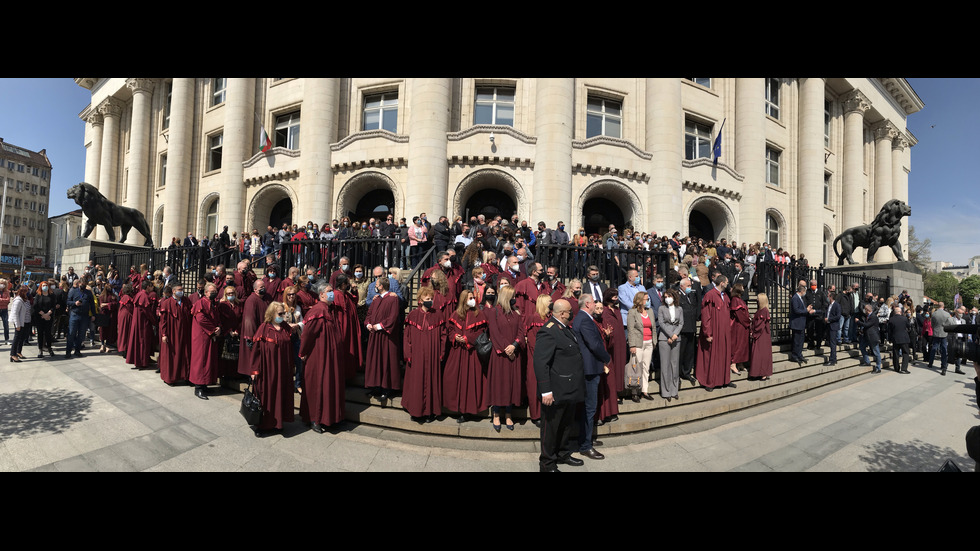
x: 800, y: 160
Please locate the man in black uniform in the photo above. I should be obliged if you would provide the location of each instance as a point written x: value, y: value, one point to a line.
x: 560, y: 375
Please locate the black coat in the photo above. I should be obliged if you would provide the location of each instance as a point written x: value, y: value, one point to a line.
x: 898, y: 329
x: 691, y: 307
x: 870, y: 326
x: 558, y: 363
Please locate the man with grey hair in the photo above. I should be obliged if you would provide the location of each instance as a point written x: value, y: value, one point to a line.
x: 343, y: 267
x: 594, y: 361
x: 940, y: 319
x: 558, y: 368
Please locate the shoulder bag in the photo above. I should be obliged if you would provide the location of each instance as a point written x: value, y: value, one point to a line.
x: 251, y: 408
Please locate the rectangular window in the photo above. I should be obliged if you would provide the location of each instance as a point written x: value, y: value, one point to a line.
x: 20, y: 185
x: 826, y: 190
x: 20, y: 167
x: 772, y: 97
x: 10, y: 165
x: 603, y: 117
x: 772, y: 166
x: 706, y: 82
x: 826, y: 124
x: 218, y: 86
x: 166, y: 106
x: 381, y: 112
x: 16, y: 203
x: 33, y: 189
x: 163, y: 170
x: 494, y: 105
x: 44, y: 191
x: 214, y: 152
x: 287, y: 131
x: 44, y: 175
x: 697, y: 140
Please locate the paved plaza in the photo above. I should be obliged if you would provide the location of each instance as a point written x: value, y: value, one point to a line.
x: 94, y: 413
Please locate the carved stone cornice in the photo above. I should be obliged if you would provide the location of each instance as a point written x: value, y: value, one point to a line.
x: 705, y: 188
x: 855, y: 100
x: 142, y: 84
x: 598, y: 170
x: 280, y: 176
x: 491, y: 128
x: 389, y: 162
x: 367, y: 135
x: 110, y: 107
x: 705, y: 161
x: 884, y: 130
x: 615, y: 142
x: 903, y: 94
x: 492, y: 160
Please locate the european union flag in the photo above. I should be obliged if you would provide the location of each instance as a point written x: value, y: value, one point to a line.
x: 717, y: 148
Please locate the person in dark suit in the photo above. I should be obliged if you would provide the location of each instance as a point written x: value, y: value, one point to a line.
x: 592, y: 285
x: 798, y: 313
x: 559, y: 371
x: 594, y: 359
x: 870, y: 337
x: 815, y: 328
x: 691, y: 306
x: 833, y: 320
x: 846, y: 311
x: 898, y: 328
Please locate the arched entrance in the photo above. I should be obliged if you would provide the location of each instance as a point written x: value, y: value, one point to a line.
x: 700, y: 227
x: 598, y: 213
x: 708, y: 217
x: 490, y: 192
x: 273, y: 205
x: 377, y: 203
x: 606, y: 202
x: 369, y: 194
x: 282, y: 213
x: 490, y: 203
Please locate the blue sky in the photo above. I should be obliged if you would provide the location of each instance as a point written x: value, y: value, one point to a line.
x: 43, y: 114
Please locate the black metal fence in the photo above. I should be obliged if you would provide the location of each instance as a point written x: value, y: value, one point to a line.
x: 573, y: 262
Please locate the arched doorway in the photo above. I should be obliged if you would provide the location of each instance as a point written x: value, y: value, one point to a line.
x: 598, y: 213
x: 490, y: 192
x: 273, y: 205
x: 700, y: 227
x: 708, y: 217
x: 377, y: 203
x: 282, y: 213
x: 490, y: 203
x: 369, y: 194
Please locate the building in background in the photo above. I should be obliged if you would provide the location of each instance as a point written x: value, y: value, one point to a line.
x: 797, y: 160
x: 61, y: 230
x: 27, y: 175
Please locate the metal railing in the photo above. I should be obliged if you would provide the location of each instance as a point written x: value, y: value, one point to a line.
x: 572, y: 262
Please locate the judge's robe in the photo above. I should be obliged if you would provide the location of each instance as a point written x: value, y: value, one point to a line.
x: 714, y: 358
x: 125, y: 317
x: 230, y: 314
x: 532, y: 324
x: 108, y: 334
x: 504, y: 383
x: 463, y: 379
x: 760, y: 361
x: 175, y: 353
x: 619, y: 350
x: 244, y: 283
x: 205, y: 352
x: 252, y: 315
x: 140, y: 345
x: 272, y: 360
x: 607, y: 395
x: 424, y: 345
x: 740, y: 330
x: 351, y: 352
x: 526, y: 292
x: 275, y: 287
x: 382, y: 367
x: 324, y: 379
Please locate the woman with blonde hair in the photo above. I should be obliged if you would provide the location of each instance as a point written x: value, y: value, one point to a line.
x: 503, y: 382
x: 641, y: 337
x: 272, y: 365
x: 533, y: 321
x: 760, y: 336
x: 463, y: 377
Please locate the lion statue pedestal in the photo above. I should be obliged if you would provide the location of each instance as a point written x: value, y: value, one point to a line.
x: 904, y: 276
x: 78, y: 251
x: 100, y: 211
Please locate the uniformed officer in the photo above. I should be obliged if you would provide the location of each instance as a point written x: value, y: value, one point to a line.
x: 561, y: 382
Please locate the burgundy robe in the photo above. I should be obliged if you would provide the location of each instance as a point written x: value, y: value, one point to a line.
x: 351, y: 352
x: 324, y: 385
x: 244, y: 284
x: 740, y: 331
x: 205, y: 352
x: 230, y: 315
x: 714, y: 358
x: 607, y: 395
x: 619, y: 350
x: 272, y: 356
x: 253, y: 312
x: 463, y: 379
x: 532, y: 324
x: 125, y: 317
x: 526, y: 292
x: 760, y: 363
x: 382, y: 363
x: 109, y: 333
x: 175, y: 354
x: 275, y: 287
x: 141, y: 335
x: 504, y: 383
x: 424, y: 347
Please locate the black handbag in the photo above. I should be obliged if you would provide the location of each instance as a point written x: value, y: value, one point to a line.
x: 484, y: 347
x: 229, y: 351
x: 251, y: 408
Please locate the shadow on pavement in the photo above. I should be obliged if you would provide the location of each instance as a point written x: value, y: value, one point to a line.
x: 32, y: 412
x: 914, y: 456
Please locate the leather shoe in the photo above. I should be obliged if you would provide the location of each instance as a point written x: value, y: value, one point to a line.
x: 592, y: 454
x: 572, y: 461
x: 960, y: 372
x: 551, y: 470
x: 596, y: 443
x: 647, y: 397
x: 732, y: 385
x: 200, y: 393
x: 318, y: 428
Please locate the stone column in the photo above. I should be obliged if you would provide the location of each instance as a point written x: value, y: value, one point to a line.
x: 110, y: 109
x: 318, y: 129
x: 665, y: 141
x: 93, y: 156
x: 139, y: 153
x: 900, y: 186
x: 855, y: 104
x: 179, y: 162
x: 428, y: 166
x: 551, y: 199
x: 884, y: 133
x: 750, y: 157
x: 237, y: 147
x: 810, y: 186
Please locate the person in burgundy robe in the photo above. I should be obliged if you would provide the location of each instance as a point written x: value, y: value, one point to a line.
x: 351, y: 352
x: 205, y: 353
x: 607, y: 407
x: 740, y: 327
x: 175, y: 337
x: 382, y: 369
x: 424, y: 347
x: 534, y: 320
x: 139, y: 348
x: 504, y: 382
x: 527, y: 290
x: 463, y: 379
x: 230, y: 311
x: 619, y: 350
x: 253, y: 313
x: 760, y: 362
x: 272, y: 371
x: 305, y: 296
x: 109, y: 305
x: 125, y: 317
x: 274, y: 284
x: 244, y: 280
x: 714, y: 343
x: 324, y: 380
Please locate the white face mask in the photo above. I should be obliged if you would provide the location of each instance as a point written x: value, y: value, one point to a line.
x: 447, y: 264
x: 471, y: 303
x: 669, y: 301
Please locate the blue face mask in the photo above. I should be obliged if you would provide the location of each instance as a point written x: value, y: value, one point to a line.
x: 660, y: 285
x: 329, y: 296
x: 278, y: 319
x: 688, y: 290
x: 649, y: 304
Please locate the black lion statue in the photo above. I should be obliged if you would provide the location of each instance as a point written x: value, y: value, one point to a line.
x: 102, y: 212
x: 882, y: 232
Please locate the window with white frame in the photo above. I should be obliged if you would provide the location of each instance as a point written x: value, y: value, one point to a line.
x: 381, y: 112
x: 166, y: 105
x: 697, y: 140
x: 211, y: 223
x: 494, y: 105
x: 163, y: 169
x: 214, y: 151
x: 772, y: 97
x: 772, y: 166
x: 826, y: 123
x: 706, y: 82
x: 826, y: 190
x: 772, y: 231
x: 287, y: 130
x: 603, y: 117
x: 218, y: 88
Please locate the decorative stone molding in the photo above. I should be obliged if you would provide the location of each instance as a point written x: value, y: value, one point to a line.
x: 717, y: 190
x: 367, y: 135
x: 855, y: 100
x: 615, y: 142
x: 279, y: 176
x: 389, y: 162
x: 501, y: 181
x: 95, y: 119
x: 617, y: 192
x: 142, y: 84
x: 704, y: 161
x: 900, y: 142
x: 884, y: 130
x: 594, y: 170
x: 110, y: 107
x: 902, y: 93
x: 491, y: 128
x: 274, y: 151
x: 477, y: 160
x: 359, y: 185
x: 261, y: 194
x: 714, y: 205
x: 202, y: 213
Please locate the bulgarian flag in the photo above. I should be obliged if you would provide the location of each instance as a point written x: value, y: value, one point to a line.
x: 265, y: 144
